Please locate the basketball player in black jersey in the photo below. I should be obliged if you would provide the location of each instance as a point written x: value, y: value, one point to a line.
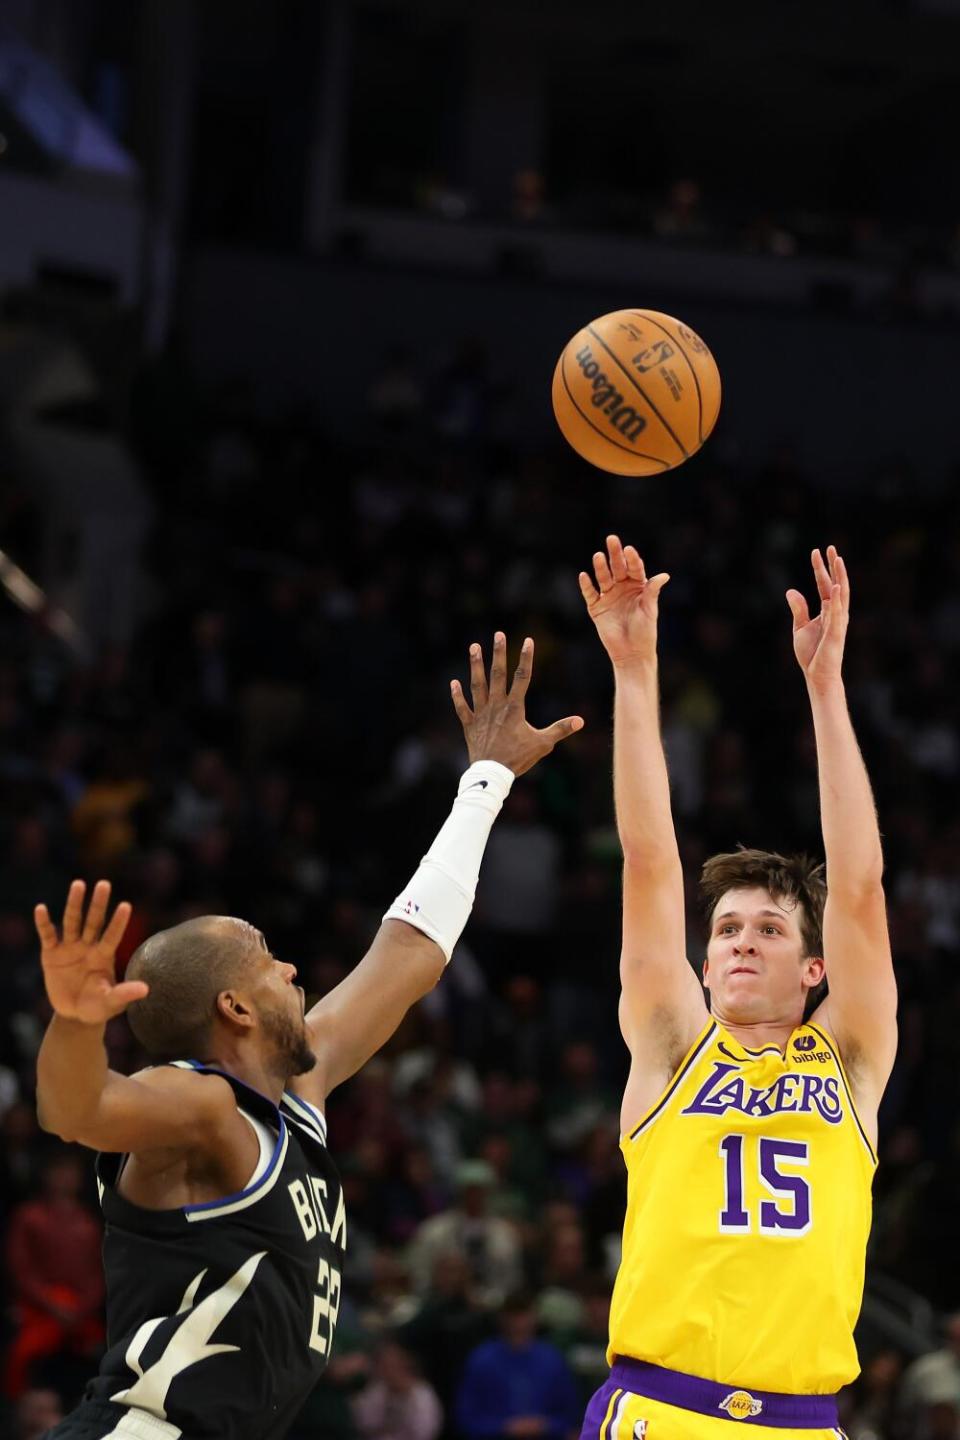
x: 225, y: 1224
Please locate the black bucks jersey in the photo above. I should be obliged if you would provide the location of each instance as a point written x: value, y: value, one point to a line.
x: 221, y: 1316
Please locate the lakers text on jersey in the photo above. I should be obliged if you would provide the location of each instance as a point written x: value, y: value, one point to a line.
x: 748, y: 1212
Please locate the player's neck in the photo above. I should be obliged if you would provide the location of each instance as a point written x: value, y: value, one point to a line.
x: 755, y: 1034
x: 251, y: 1073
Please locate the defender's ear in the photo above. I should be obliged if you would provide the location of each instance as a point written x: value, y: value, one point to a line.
x: 234, y: 1009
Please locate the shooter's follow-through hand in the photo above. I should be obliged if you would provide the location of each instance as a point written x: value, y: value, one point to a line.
x: 818, y: 643
x: 624, y: 603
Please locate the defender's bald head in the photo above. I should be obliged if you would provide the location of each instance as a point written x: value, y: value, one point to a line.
x: 186, y: 968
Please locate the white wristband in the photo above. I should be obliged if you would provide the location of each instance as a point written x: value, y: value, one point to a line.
x: 439, y: 898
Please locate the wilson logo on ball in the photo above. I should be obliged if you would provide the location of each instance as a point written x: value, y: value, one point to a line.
x: 636, y: 392
x: 608, y: 399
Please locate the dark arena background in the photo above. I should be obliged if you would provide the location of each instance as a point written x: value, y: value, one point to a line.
x: 282, y: 286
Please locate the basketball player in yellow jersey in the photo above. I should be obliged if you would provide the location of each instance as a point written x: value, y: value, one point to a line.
x: 749, y: 1129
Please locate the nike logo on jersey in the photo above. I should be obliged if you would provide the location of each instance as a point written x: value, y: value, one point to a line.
x: 189, y: 1342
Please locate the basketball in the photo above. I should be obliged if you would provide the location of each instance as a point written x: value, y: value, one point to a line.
x: 636, y: 392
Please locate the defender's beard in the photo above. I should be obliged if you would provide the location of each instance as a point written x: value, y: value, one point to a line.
x: 294, y: 1055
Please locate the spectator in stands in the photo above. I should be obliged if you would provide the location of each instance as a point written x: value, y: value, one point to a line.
x: 934, y: 1379
x: 20, y: 1156
x: 104, y: 818
x: 329, y: 1409
x: 447, y: 1324
x: 520, y: 1154
x: 580, y: 1101
x: 37, y: 1412
x: 560, y: 1306
x: 412, y: 1196
x: 53, y: 1255
x: 939, y: 1420
x: 200, y: 799
x: 519, y: 889
x: 367, y: 1108
x: 585, y: 1347
x: 528, y: 205
x: 874, y: 1414
x: 602, y: 1189
x: 517, y: 1385
x: 519, y: 1036
x: 680, y: 217
x: 490, y: 1244
x: 31, y: 868
x: 431, y: 1121
x: 397, y: 1404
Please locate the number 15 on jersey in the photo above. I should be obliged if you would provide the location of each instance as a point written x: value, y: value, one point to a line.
x: 789, y: 1208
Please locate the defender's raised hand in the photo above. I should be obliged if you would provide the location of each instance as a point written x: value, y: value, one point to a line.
x: 79, y: 966
x: 496, y: 728
x: 623, y: 605
x: 818, y: 643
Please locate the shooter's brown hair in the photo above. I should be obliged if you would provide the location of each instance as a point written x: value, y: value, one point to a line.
x: 797, y: 879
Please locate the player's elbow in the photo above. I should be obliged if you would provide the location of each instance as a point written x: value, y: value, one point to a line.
x: 56, y: 1125
x: 48, y: 1120
x: 434, y: 963
x: 418, y: 953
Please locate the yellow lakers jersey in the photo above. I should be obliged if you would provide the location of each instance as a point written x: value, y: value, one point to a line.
x: 748, y: 1212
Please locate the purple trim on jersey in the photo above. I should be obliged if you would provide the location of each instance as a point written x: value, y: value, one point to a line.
x: 314, y: 1114
x: 708, y: 1397
x: 674, y: 1083
x: 202, y: 1205
x: 843, y: 1077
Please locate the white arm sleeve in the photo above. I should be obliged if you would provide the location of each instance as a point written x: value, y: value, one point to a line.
x: 439, y: 898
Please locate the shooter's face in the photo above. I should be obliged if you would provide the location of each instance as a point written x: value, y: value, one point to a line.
x: 756, y: 970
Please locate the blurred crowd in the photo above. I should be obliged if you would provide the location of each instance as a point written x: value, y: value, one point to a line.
x: 685, y: 214
x: 276, y: 741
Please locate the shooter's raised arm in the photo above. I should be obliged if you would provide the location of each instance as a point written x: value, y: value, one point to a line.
x: 662, y: 1005
x: 860, y: 1009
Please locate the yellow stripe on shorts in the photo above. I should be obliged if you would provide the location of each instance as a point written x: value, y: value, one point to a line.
x: 606, y: 1419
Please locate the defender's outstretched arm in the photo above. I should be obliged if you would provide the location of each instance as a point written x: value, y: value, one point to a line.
x: 861, y: 1007
x: 419, y: 931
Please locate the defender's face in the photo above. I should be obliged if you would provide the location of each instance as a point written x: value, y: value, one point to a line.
x: 282, y: 1005
x: 755, y: 968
